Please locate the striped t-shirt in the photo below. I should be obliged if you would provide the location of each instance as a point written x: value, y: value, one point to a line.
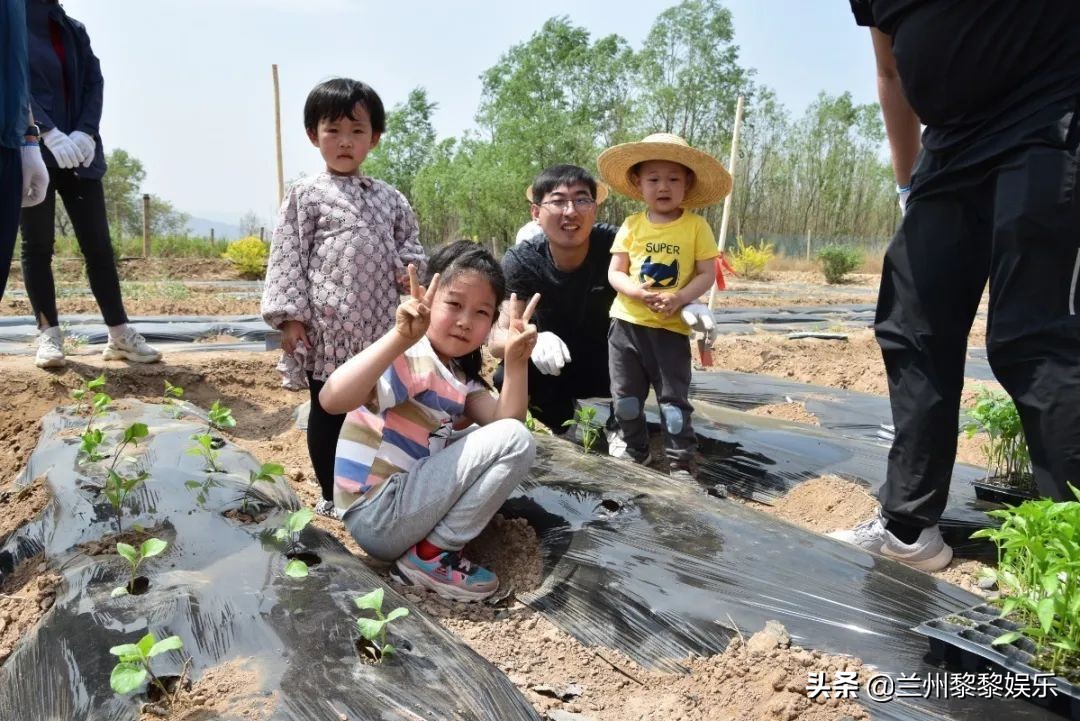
x: 417, y: 401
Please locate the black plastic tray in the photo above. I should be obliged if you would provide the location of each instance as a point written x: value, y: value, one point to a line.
x: 995, y: 493
x: 963, y: 639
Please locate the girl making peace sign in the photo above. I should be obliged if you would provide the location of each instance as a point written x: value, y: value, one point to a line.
x: 404, y: 493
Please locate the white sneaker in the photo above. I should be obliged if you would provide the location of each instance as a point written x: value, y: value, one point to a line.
x: 130, y: 346
x: 928, y: 553
x: 616, y: 446
x: 50, y: 351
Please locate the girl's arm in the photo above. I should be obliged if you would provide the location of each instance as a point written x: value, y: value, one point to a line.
x: 353, y: 384
x: 513, y: 400
x: 285, y: 296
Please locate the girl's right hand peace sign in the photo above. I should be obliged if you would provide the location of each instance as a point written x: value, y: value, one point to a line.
x: 521, y: 334
x: 414, y: 313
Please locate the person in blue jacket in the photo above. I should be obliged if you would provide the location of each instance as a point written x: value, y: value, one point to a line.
x: 23, y: 177
x: 66, y: 89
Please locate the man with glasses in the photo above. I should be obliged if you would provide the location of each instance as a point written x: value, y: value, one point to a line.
x: 567, y: 265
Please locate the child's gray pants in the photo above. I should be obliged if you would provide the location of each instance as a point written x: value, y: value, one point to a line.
x: 447, y: 498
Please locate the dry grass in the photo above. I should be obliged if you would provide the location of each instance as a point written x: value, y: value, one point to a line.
x: 871, y: 263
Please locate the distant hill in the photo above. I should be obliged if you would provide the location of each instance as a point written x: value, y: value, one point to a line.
x: 222, y: 231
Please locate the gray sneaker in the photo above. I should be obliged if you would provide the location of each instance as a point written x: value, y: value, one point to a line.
x: 130, y: 346
x: 50, y: 351
x: 928, y: 553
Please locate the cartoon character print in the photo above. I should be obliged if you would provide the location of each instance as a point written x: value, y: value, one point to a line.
x: 662, y: 275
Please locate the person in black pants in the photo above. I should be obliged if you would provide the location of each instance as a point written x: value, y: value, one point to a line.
x: 567, y: 265
x: 994, y: 194
x: 66, y: 98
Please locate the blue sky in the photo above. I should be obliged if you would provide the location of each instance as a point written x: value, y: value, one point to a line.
x: 188, y: 85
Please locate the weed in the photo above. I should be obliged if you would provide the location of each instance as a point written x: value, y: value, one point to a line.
x: 290, y: 534
x: 374, y: 629
x: 585, y: 421
x: 749, y: 261
x: 837, y: 261
x: 1038, y: 572
x: 265, y: 474
x: 134, y: 664
x: 150, y: 547
x: 1007, y: 454
x: 248, y: 256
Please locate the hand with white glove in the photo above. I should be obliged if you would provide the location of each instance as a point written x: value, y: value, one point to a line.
x: 63, y: 148
x: 86, y: 146
x: 699, y: 318
x: 35, y: 176
x: 902, y: 194
x: 550, y: 354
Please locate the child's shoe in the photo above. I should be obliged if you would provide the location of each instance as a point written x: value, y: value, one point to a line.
x: 449, y: 574
x: 50, y: 351
x: 130, y: 345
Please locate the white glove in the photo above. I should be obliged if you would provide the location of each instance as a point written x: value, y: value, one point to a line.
x: 63, y: 148
x: 86, y: 146
x: 550, y: 354
x: 35, y: 176
x: 699, y: 318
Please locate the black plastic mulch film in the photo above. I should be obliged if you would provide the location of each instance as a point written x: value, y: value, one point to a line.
x: 220, y: 586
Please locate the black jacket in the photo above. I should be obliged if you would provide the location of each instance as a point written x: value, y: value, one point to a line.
x: 76, y: 106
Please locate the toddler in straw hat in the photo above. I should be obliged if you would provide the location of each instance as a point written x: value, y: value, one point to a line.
x: 661, y: 263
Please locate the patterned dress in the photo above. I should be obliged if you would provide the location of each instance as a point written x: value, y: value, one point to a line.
x: 339, y: 246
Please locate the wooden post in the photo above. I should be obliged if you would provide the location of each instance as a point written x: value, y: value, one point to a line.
x: 146, y: 225
x: 494, y: 248
x: 277, y: 137
x: 262, y: 233
x: 722, y: 239
x: 808, y: 243
x: 211, y: 236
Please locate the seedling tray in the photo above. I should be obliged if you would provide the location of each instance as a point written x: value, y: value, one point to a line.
x: 963, y: 640
x: 996, y: 493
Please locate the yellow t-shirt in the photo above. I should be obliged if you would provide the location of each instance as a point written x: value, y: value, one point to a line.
x: 665, y: 253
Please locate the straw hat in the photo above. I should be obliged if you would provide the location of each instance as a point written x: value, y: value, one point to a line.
x: 601, y: 193
x: 711, y: 181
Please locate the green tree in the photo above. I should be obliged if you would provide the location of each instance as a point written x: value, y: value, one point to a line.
x: 123, y: 200
x: 406, y: 145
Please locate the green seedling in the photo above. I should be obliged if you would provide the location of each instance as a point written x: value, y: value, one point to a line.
x: 534, y: 425
x: 87, y: 391
x: 1007, y: 454
x: 290, y: 534
x: 91, y: 440
x: 204, y: 446
x: 268, y: 473
x: 374, y: 629
x: 1038, y: 572
x: 585, y: 421
x: 118, y: 486
x: 203, y: 488
x: 134, y: 665
x: 172, y: 392
x: 221, y: 417
x: 150, y: 547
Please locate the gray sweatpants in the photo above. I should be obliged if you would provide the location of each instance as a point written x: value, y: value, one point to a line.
x: 447, y: 498
x: 640, y: 357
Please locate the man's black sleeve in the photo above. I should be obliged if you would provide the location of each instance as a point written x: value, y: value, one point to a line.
x: 863, y: 15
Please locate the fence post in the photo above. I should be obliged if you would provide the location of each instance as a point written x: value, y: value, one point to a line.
x: 262, y: 233
x: 808, y: 244
x: 211, y: 236
x: 146, y: 225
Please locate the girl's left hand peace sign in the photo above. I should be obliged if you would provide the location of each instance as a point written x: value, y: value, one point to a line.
x: 521, y: 335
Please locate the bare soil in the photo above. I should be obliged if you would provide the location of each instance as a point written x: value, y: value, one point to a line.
x: 793, y: 411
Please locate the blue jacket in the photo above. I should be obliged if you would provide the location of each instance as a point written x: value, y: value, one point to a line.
x: 78, y: 106
x: 14, y: 95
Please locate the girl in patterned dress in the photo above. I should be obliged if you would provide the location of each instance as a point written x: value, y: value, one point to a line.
x: 342, y: 242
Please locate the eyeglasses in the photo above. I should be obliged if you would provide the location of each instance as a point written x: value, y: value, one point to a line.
x: 581, y: 204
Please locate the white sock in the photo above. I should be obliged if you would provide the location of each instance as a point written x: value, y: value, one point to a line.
x: 117, y: 331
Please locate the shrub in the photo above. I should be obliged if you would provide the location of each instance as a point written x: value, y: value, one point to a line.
x: 749, y: 261
x: 837, y: 261
x: 248, y: 255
